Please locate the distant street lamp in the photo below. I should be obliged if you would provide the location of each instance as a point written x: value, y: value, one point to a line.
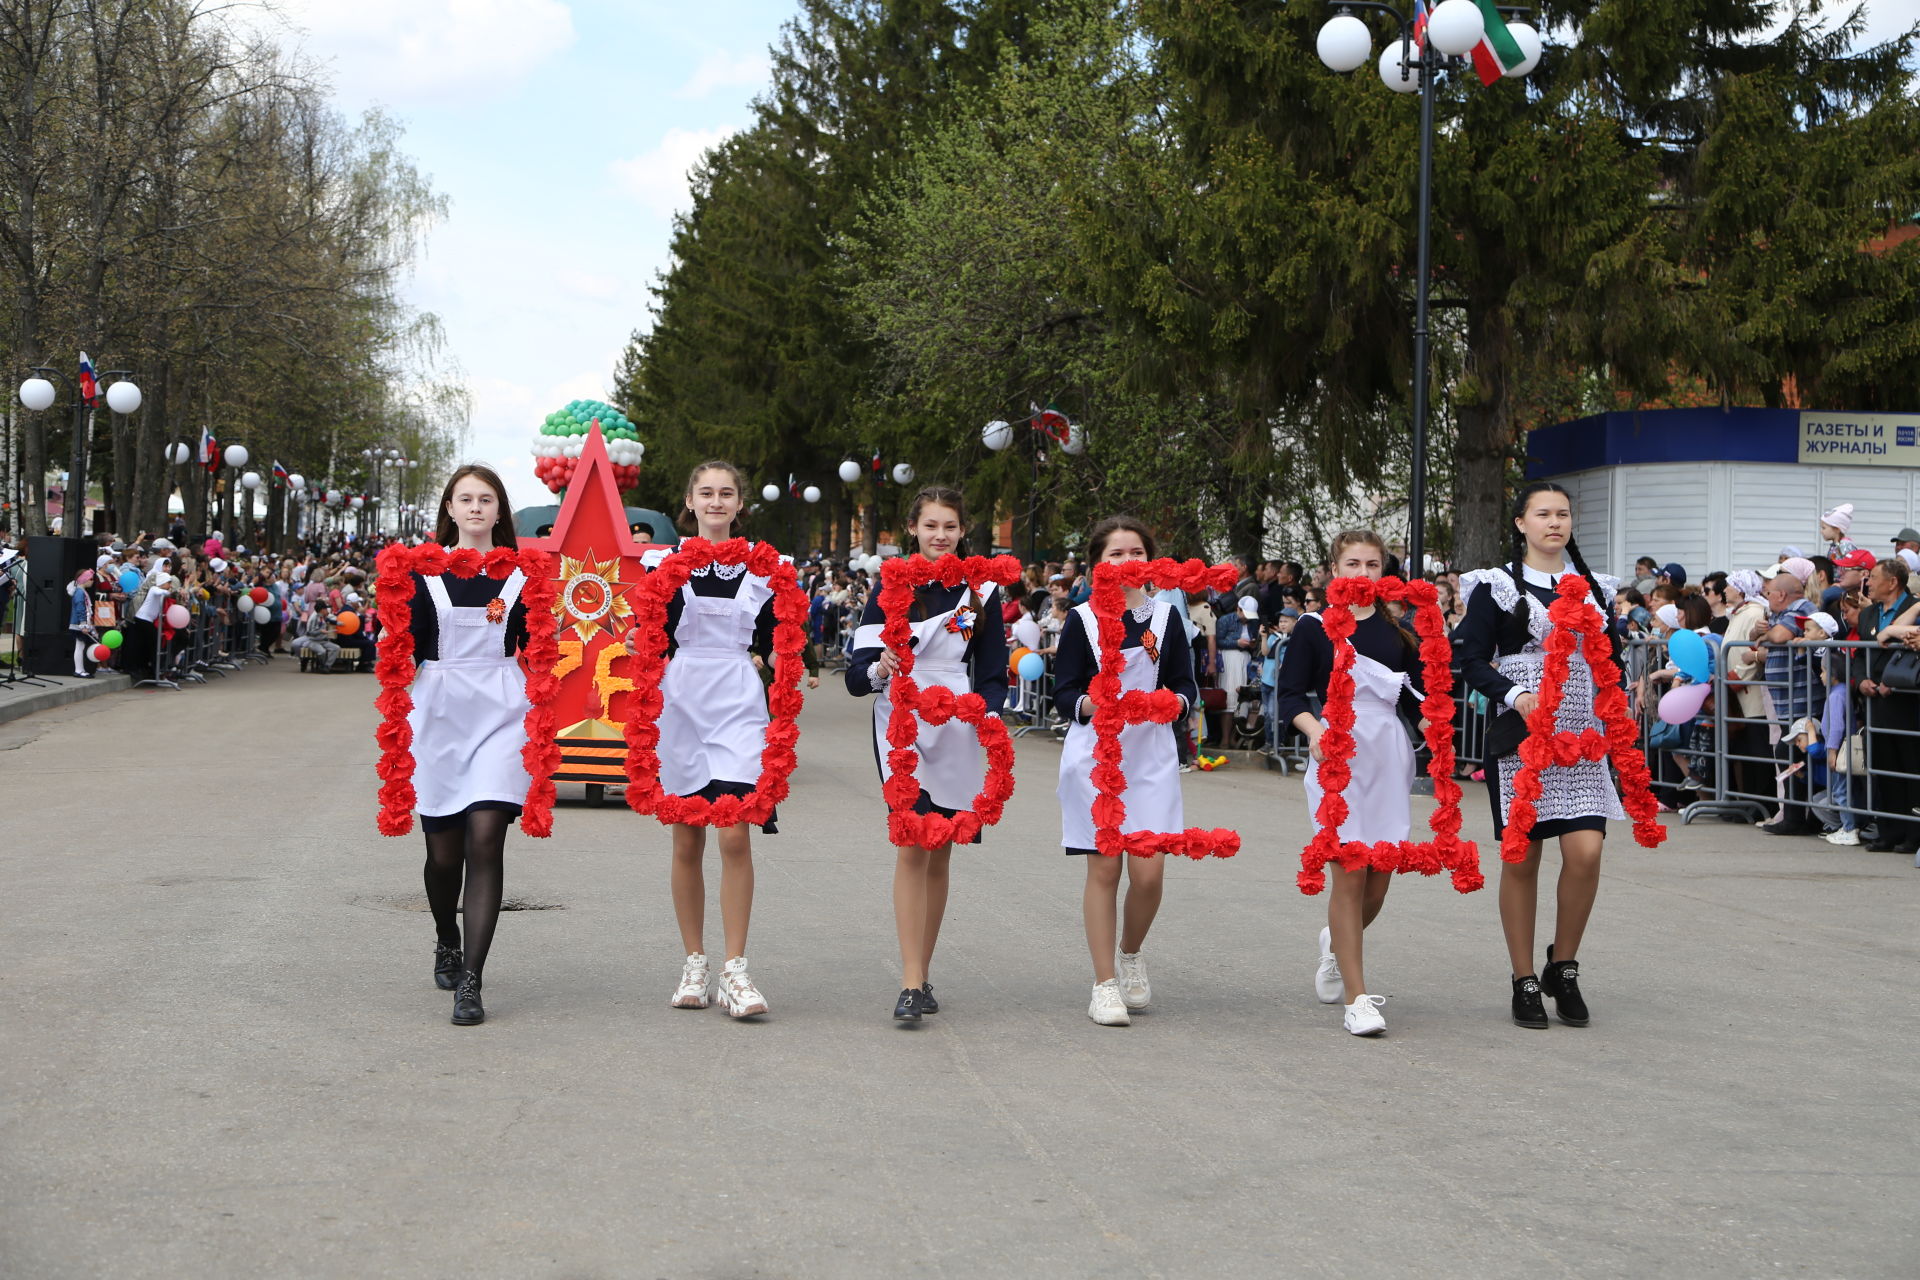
x: 1454, y: 29
x: 37, y: 394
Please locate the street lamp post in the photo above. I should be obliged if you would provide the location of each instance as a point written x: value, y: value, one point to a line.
x: 999, y: 436
x: 1453, y: 30
x: 37, y: 393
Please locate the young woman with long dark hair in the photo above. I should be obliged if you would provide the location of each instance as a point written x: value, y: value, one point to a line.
x: 713, y: 728
x: 1386, y: 674
x: 1501, y: 648
x: 1154, y: 648
x: 469, y: 729
x: 958, y: 642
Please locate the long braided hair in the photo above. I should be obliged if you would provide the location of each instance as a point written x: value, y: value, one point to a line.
x: 1519, y: 541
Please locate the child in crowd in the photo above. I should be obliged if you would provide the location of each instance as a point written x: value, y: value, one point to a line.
x: 1835, y: 526
x: 1838, y: 728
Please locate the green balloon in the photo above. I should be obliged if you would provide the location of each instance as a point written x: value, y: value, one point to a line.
x: 112, y: 639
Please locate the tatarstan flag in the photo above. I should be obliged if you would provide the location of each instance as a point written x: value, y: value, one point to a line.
x: 1496, y: 54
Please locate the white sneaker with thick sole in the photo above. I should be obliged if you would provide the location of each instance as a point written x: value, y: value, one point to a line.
x: 1363, y: 1016
x: 1108, y: 1009
x: 738, y: 996
x: 1842, y: 837
x: 1327, y: 983
x: 1135, y: 990
x: 692, y: 991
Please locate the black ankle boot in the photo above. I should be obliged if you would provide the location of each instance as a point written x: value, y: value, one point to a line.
x: 1528, y: 1011
x: 1561, y: 980
x: 466, y: 1001
x: 446, y: 966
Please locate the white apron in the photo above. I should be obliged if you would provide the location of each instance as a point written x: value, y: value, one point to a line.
x: 469, y: 710
x: 1148, y: 754
x: 1377, y: 794
x: 952, y: 767
x: 713, y: 713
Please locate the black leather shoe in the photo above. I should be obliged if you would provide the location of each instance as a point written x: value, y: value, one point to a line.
x: 1788, y: 829
x: 446, y: 966
x: 1528, y: 1011
x: 909, y: 1007
x: 1561, y: 980
x: 927, y: 1003
x: 466, y: 1001
x: 1880, y: 846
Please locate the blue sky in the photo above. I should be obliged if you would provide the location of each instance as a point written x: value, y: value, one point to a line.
x: 561, y: 131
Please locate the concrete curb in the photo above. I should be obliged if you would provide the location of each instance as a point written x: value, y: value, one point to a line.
x: 25, y: 699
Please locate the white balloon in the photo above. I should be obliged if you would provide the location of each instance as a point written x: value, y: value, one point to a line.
x: 1530, y: 48
x: 36, y: 394
x: 1455, y: 26
x: 996, y: 435
x: 902, y: 473
x: 849, y: 471
x: 262, y: 615
x: 771, y: 493
x: 1395, y: 74
x: 123, y: 397
x: 811, y: 493
x: 1344, y: 43
x: 296, y: 481
x: 236, y: 455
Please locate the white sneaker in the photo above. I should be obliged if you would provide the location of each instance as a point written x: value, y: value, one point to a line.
x: 738, y: 996
x: 1327, y: 983
x: 1108, y: 1009
x: 692, y: 991
x: 1842, y: 836
x: 1363, y: 1016
x: 1135, y: 990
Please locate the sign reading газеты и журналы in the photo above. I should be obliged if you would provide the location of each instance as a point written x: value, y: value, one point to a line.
x: 1860, y: 439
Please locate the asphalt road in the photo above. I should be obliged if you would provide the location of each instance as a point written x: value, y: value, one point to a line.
x: 223, y: 1055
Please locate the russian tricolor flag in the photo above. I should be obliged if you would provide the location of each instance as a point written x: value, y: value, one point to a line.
x: 89, y: 385
x: 209, y: 451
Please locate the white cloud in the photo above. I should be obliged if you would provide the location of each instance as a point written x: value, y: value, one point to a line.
x: 658, y: 178
x: 428, y: 51
x: 722, y: 70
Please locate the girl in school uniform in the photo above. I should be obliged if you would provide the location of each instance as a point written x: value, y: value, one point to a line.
x: 1156, y: 655
x: 1501, y: 647
x: 959, y: 643
x: 469, y: 729
x: 713, y: 728
x: 1385, y: 687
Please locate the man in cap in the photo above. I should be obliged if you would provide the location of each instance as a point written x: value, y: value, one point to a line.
x: 1850, y: 572
x: 1908, y: 539
x: 1673, y: 575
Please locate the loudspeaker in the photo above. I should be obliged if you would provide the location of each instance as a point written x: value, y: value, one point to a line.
x: 51, y: 564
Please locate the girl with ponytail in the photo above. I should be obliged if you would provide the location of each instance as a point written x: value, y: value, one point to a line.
x: 1501, y: 645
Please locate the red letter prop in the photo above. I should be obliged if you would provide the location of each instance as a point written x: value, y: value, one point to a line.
x: 394, y: 668
x: 1574, y: 618
x: 898, y: 578
x: 649, y: 666
x: 1447, y: 851
x: 1114, y: 710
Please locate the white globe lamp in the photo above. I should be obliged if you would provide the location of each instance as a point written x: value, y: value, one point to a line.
x: 1396, y: 74
x: 1529, y: 41
x: 251, y: 479
x: 1455, y: 27
x: 36, y: 394
x: 811, y: 493
x: 123, y: 397
x: 996, y: 435
x: 236, y: 455
x: 771, y: 493
x: 849, y: 471
x: 1344, y: 43
x: 902, y: 473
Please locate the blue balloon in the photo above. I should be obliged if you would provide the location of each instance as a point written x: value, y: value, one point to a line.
x: 1032, y: 667
x: 1690, y: 653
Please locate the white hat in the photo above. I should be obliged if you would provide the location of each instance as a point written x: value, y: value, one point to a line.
x: 1826, y: 623
x: 161, y: 544
x: 1841, y: 518
x: 1669, y: 614
x: 1911, y: 559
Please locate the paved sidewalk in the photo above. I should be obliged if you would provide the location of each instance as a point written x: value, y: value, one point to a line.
x: 223, y: 1055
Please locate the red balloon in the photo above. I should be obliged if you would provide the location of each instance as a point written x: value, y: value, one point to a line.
x: 100, y: 653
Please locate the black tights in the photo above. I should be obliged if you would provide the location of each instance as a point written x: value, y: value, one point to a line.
x: 480, y: 845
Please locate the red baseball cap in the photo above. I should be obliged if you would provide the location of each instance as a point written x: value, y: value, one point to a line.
x: 1858, y: 558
